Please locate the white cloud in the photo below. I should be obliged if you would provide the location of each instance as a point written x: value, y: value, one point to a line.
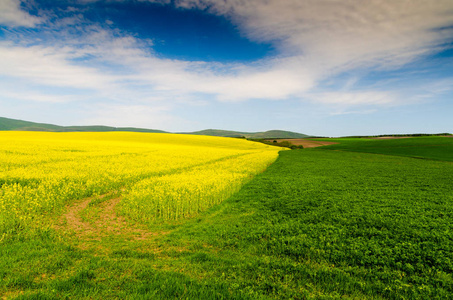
x: 274, y: 84
x: 34, y: 96
x: 49, y: 66
x: 317, y: 39
x: 119, y: 63
x: 12, y: 15
x: 354, y: 98
x: 341, y: 33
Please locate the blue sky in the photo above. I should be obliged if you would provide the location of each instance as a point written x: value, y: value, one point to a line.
x: 320, y: 67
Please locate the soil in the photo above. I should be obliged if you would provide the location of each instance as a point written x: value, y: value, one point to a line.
x: 108, y: 223
x: 307, y: 143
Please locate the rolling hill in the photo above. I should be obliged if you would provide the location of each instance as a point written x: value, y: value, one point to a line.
x: 270, y: 134
x: 20, y: 125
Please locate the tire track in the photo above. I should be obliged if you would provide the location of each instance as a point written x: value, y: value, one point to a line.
x: 106, y: 224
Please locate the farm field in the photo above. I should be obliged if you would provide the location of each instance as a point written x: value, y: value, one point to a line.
x: 158, y: 176
x: 428, y: 147
x: 306, y: 143
x: 317, y: 224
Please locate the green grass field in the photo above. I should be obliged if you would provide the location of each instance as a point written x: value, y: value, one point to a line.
x: 360, y: 219
x: 429, y: 147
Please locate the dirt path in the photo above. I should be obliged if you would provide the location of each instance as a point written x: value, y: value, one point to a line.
x: 73, y: 219
x: 105, y: 222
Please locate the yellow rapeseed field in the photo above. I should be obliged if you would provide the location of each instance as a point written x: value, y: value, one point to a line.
x: 160, y: 176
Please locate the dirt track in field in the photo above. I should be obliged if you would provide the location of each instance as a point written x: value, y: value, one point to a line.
x: 307, y: 143
x: 73, y: 219
x: 106, y: 223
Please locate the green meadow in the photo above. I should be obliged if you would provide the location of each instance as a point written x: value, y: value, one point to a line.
x: 427, y: 147
x: 361, y: 219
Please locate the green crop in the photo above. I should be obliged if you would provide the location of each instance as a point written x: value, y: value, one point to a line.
x: 430, y: 147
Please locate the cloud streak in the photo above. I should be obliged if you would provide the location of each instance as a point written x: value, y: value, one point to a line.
x: 48, y: 66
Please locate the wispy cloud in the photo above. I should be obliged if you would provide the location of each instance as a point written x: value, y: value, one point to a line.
x: 11, y: 14
x: 354, y: 98
x: 342, y: 33
x: 49, y: 66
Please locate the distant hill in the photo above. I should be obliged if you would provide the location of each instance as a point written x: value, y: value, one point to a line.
x: 277, y: 134
x: 19, y: 125
x: 12, y: 124
x: 218, y: 132
x: 271, y: 134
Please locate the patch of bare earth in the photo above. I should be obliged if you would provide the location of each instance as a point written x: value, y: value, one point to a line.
x: 307, y: 143
x: 107, y: 222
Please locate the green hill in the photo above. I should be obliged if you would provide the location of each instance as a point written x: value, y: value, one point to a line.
x: 219, y: 132
x: 12, y: 124
x: 19, y: 125
x: 271, y: 134
x: 100, y: 128
x: 277, y: 134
